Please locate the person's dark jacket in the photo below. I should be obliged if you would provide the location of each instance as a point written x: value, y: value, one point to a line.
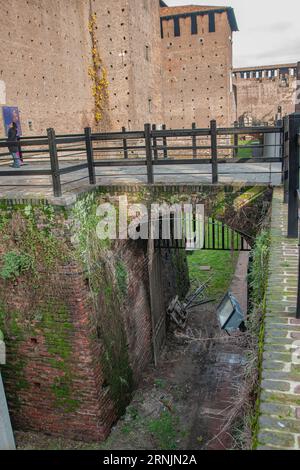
x: 12, y: 137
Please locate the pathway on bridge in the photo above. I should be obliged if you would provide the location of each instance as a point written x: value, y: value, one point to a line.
x: 26, y: 187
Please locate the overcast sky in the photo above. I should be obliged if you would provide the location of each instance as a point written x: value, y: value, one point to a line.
x: 269, y: 30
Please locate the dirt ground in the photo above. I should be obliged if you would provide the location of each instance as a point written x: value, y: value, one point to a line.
x: 189, y: 401
x: 184, y: 403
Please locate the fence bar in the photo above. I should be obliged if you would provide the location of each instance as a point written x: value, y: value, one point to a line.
x: 214, y: 151
x: 150, y: 176
x: 293, y: 222
x: 125, y: 148
x: 236, y: 141
x: 155, y: 150
x: 194, y: 140
x: 54, y: 163
x: 90, y: 155
x: 298, y: 296
x: 165, y: 144
x: 285, y: 159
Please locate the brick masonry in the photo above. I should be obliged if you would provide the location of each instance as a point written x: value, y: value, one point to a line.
x: 54, y: 374
x: 259, y: 91
x: 279, y: 421
x: 46, y: 53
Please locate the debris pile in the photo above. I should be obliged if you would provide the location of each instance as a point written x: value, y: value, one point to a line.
x: 178, y: 311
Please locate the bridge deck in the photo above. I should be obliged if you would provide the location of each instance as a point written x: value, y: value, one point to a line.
x: 28, y: 186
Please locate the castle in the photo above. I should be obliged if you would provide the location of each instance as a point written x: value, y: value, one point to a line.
x: 264, y: 94
x: 69, y: 64
x: 165, y: 65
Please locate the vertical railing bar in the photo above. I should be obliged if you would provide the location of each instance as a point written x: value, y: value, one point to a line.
x: 155, y: 151
x: 165, y: 142
x: 194, y: 141
x: 90, y: 155
x: 294, y: 126
x: 54, y: 163
x: 214, y: 151
x: 125, y: 144
x: 236, y: 141
x: 148, y: 144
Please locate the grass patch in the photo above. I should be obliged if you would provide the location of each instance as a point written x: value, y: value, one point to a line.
x: 222, y: 265
x: 164, y: 431
x: 246, y: 152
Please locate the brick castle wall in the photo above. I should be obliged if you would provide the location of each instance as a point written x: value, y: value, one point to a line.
x: 46, y: 53
x: 197, y: 68
x: 260, y: 91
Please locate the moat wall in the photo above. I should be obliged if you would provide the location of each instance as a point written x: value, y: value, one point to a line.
x: 77, y: 318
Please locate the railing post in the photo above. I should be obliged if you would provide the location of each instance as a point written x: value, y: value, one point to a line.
x: 298, y: 296
x: 285, y: 159
x: 293, y: 216
x: 236, y: 141
x: 214, y: 151
x: 125, y: 144
x: 155, y: 151
x: 54, y: 163
x: 165, y: 143
x: 194, y: 139
x: 90, y: 155
x: 150, y: 176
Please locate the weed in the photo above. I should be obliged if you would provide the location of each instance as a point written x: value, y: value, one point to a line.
x: 164, y: 431
x: 14, y: 264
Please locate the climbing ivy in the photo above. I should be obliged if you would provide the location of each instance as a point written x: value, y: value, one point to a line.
x: 97, y: 73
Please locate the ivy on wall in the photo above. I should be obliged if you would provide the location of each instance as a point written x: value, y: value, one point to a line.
x: 97, y: 73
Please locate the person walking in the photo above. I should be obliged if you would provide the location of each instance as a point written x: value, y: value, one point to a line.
x: 14, y: 148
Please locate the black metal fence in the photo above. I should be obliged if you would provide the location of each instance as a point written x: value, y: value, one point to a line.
x: 152, y: 148
x: 291, y: 169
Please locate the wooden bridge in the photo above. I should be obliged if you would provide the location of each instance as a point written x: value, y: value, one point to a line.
x: 64, y: 164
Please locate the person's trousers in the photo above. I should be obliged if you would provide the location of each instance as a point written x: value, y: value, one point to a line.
x: 16, y: 159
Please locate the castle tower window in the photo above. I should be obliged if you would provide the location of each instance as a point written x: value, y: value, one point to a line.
x: 212, y: 23
x: 176, y: 27
x: 194, y: 24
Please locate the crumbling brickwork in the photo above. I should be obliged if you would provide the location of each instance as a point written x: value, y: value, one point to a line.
x: 77, y: 340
